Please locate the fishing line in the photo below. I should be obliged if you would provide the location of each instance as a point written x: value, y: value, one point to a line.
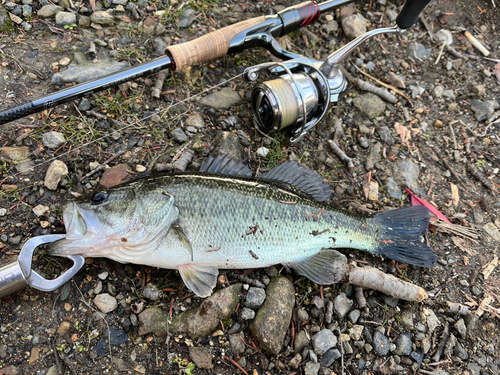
x: 138, y: 122
x: 286, y: 99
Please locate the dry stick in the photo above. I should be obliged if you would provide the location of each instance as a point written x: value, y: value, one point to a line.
x: 235, y: 364
x: 58, y: 361
x: 156, y: 91
x: 476, y: 43
x: 442, y: 343
x: 454, y: 139
x: 391, y: 87
x: 367, y: 86
x: 360, y: 297
x: 427, y: 26
x: 447, y: 165
x: 473, y: 171
x: 370, y: 277
x: 103, y: 165
x: 341, y: 154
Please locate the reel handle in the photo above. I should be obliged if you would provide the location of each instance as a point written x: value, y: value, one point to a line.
x: 410, y: 12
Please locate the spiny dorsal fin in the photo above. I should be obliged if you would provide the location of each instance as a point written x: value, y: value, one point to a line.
x: 302, y: 178
x: 223, y: 164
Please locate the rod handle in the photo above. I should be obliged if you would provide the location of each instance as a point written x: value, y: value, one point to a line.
x: 17, y: 112
x: 410, y: 12
x: 209, y: 46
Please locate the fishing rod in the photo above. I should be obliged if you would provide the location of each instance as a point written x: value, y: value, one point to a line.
x: 260, y: 31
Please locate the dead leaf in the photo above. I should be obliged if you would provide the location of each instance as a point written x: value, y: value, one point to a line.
x: 92, y: 5
x: 485, y: 304
x: 488, y: 268
x: 454, y: 194
x: 403, y: 132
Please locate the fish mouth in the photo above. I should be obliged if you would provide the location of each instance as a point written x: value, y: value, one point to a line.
x: 74, y: 222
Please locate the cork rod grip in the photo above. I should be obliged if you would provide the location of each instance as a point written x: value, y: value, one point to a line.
x: 210, y: 46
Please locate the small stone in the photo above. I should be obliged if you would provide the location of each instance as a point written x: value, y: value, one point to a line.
x: 53, y: 140
x: 354, y: 316
x: 105, y: 302
x: 381, y: 343
x: 396, y: 80
x: 247, y: 314
x: 102, y: 17
x: 56, y: 171
x: 295, y: 361
x: 84, y: 105
x: 202, y: 357
x: 255, y: 298
x: 373, y: 191
x: 432, y: 320
x: 15, y: 154
x: 341, y: 305
x: 461, y: 328
x: 438, y: 91
x: 369, y: 105
x: 186, y: 18
x: 27, y: 11
x: 178, y: 135
x: 196, y: 120
x: 425, y: 345
x: 407, y: 320
x: 418, y: 52
x: 385, y: 135
x: 353, y: 26
x: 151, y: 293
x: 391, y: 301
x: 262, y: 151
x: 323, y: 340
x: 63, y: 328
x: 65, y: 18
x: 140, y: 168
x: 404, y: 344
x: 64, y: 62
x: 237, y: 343
x: 222, y: 99
x: 114, y: 176
x: 374, y: 156
x: 40, y: 210
x: 393, y: 189
x: 311, y: 368
x: 3, y: 212
x: 329, y: 357
x: 417, y: 356
x: 493, y: 231
x: 356, y: 331
x: 49, y: 11
x: 301, y: 341
x: 482, y: 110
x: 479, y: 90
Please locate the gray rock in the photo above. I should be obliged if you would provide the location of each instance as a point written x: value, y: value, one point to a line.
x: 53, y: 140
x: 14, y: 154
x: 84, y: 105
x: 391, y: 301
x: 16, y: 19
x: 27, y: 11
x: 353, y: 26
x: 295, y: 361
x: 406, y: 173
x: 323, y: 341
x: 187, y: 18
x: 396, y: 80
x: 385, y: 135
x: 102, y: 17
x: 273, y: 318
x: 479, y: 90
x: 374, y: 156
x: 418, y: 51
x: 3, y: 211
x: 404, y: 344
x: 66, y: 289
x: 311, y: 368
x: 417, y: 356
x: 301, y: 341
x: 255, y: 298
x: 426, y: 345
x: 474, y: 368
x: 105, y: 302
x: 354, y: 316
x: 228, y: 143
x: 56, y: 171
x: 49, y: 11
x: 222, y: 99
x: 392, y: 14
x: 369, y: 105
x: 438, y: 91
x: 342, y: 304
x: 482, y: 110
x: 432, y: 320
x: 329, y: 357
x: 201, y: 356
x: 178, y: 135
x: 237, y: 343
x: 80, y: 73
x: 493, y: 231
x: 407, y: 320
x: 26, y: 26
x: 151, y: 292
x: 84, y: 21
x: 200, y: 322
x: 330, y: 27
x: 381, y: 343
x: 356, y: 331
x: 393, y: 189
x: 196, y: 120
x: 65, y: 18
x: 460, y: 352
x: 247, y: 314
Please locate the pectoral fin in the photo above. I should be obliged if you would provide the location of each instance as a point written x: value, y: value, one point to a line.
x: 200, y: 278
x: 182, y: 236
x: 324, y: 268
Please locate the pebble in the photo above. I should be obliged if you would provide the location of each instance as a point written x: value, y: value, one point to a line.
x: 222, y: 99
x: 404, y: 344
x: 385, y: 135
x: 406, y: 173
x: 479, y: 90
x: 102, y: 17
x: 342, y: 304
x: 3, y: 211
x: 196, y: 120
x: 40, y: 210
x: 461, y: 328
x: 114, y: 176
x: 88, y: 71
x: 228, y: 143
x: 273, y: 319
x: 187, y: 18
x: 66, y: 289
x: 105, y: 302
x: 418, y: 52
x: 140, y: 168
x: 381, y: 343
x: 65, y: 18
x: 49, y: 11
x: 369, y: 105
x: 329, y: 357
x: 15, y: 154
x: 417, y: 356
x: 355, y: 332
x: 53, y: 140
x: 178, y: 135
x: 438, y: 91
x: 311, y: 368
x: 460, y: 352
x: 56, y: 171
x: 323, y: 341
x: 262, y: 151
x: 84, y: 104
x: 482, y: 110
x: 374, y: 156
x: 301, y: 341
x: 237, y: 343
x: 151, y: 293
x: 373, y: 191
x: 354, y: 316
x: 396, y: 80
x: 426, y: 345
x: 27, y: 11
x: 247, y: 314
x: 493, y: 231
x: 63, y: 328
x: 255, y: 298
x: 202, y: 357
x: 353, y: 26
x: 295, y: 361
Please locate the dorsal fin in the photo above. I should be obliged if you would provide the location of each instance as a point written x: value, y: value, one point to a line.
x: 223, y: 164
x: 302, y: 178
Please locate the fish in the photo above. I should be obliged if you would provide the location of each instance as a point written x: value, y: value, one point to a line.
x: 224, y: 218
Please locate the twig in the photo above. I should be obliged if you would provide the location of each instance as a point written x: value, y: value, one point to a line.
x: 454, y: 139
x: 156, y: 91
x: 341, y: 345
x: 360, y: 297
x: 341, y: 154
x: 447, y: 165
x: 367, y: 86
x: 68, y: 363
x: 242, y: 277
x: 442, y: 343
x: 473, y: 171
x: 103, y: 165
x: 476, y: 43
x: 235, y: 364
x: 457, y: 308
x: 58, y: 361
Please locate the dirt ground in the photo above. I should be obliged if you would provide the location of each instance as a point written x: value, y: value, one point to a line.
x: 458, y: 160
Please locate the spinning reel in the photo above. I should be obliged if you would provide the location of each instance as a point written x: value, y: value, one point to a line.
x: 300, y: 91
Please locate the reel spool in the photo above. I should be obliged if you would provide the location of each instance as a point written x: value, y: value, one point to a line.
x: 296, y: 99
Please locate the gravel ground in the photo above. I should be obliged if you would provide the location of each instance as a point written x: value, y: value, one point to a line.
x: 440, y: 139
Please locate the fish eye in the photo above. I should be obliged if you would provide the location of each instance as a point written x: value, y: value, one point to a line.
x: 98, y: 198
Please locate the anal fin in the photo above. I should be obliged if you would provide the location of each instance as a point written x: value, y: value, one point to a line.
x: 200, y: 278
x: 326, y: 267
x: 182, y: 236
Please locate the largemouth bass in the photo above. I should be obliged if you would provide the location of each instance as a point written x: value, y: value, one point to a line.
x: 222, y: 217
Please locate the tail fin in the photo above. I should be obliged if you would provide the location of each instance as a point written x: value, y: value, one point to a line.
x: 401, y: 236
